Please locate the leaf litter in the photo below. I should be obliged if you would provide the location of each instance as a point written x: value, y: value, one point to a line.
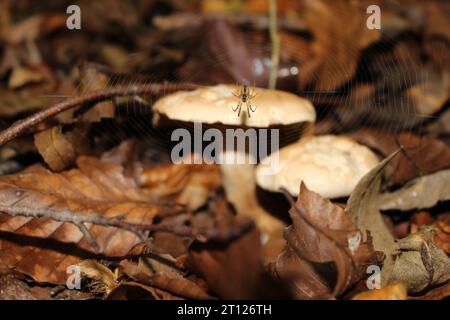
x: 81, y: 186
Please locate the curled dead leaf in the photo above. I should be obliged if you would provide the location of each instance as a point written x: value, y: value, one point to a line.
x: 415, y: 260
x: 161, y: 271
x: 326, y: 254
x: 57, y: 149
x: 105, y: 280
x: 419, y: 264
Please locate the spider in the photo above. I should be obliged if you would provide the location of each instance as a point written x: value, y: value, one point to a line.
x: 245, y: 96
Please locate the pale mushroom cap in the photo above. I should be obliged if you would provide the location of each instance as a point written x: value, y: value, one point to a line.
x: 329, y: 165
x: 215, y: 105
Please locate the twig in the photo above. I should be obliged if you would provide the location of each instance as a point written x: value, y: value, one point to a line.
x: 194, y: 20
x: 275, y: 39
x: 19, y: 127
x: 140, y: 230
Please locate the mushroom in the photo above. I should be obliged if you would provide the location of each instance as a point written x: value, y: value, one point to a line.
x: 329, y: 165
x: 216, y: 107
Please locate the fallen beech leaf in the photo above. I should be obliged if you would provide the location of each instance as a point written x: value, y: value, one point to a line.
x: 12, y: 287
x: 338, y: 49
x: 430, y: 96
x: 57, y: 149
x: 421, y: 155
x: 403, y: 107
x: 92, y: 80
x: 233, y: 271
x: 322, y: 235
x: 420, y: 263
x: 423, y: 192
x: 442, y: 237
x: 13, y: 103
x: 21, y: 76
x: 162, y: 272
x: 187, y: 184
x: 30, y: 29
x: 415, y: 260
x: 44, y: 248
x: 391, y: 292
x: 362, y: 208
x: 106, y: 280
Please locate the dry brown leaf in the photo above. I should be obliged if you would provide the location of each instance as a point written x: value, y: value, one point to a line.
x: 12, y: 287
x: 363, y: 210
x: 232, y: 270
x: 322, y: 235
x: 340, y: 33
x: 391, y: 292
x: 44, y: 248
x: 106, y: 280
x: 187, y: 184
x: 421, y: 155
x: 423, y: 192
x: 415, y: 260
x: 419, y: 264
x: 57, y: 149
x: 21, y: 76
x: 161, y: 271
x: 392, y: 103
x: 442, y: 237
x: 30, y: 29
x: 93, y: 80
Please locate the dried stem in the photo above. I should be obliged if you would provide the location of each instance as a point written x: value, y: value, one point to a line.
x: 19, y: 127
x: 182, y: 21
x: 275, y: 39
x: 140, y: 230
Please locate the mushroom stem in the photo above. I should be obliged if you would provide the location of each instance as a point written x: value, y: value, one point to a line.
x: 240, y: 188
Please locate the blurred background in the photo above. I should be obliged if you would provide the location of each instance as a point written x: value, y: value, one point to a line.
x: 393, y: 79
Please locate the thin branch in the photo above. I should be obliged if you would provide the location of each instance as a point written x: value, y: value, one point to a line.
x: 180, y: 21
x: 19, y: 127
x: 200, y: 234
x: 275, y: 39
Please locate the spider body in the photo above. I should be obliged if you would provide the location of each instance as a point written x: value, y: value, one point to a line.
x: 245, y: 96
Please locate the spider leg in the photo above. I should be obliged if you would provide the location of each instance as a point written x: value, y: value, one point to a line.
x: 239, y: 105
x: 250, y: 106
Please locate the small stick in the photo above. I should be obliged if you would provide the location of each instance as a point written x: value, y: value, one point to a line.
x: 78, y: 220
x: 19, y: 127
x: 275, y: 39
